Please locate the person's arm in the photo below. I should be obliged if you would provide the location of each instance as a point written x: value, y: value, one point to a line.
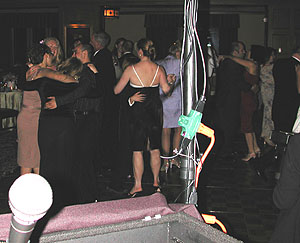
x: 31, y: 85
x: 287, y: 190
x: 123, y: 81
x: 137, y: 97
x: 85, y: 83
x: 235, y: 73
x: 48, y: 73
x: 248, y: 64
x: 163, y: 82
x: 92, y: 67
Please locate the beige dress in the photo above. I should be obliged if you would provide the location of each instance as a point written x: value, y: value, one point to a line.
x: 27, y: 125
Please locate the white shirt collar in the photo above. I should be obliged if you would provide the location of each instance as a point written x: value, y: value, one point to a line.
x: 96, y: 52
x: 296, y: 58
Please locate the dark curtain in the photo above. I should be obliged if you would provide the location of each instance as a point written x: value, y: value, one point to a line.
x: 24, y: 20
x: 162, y: 29
x: 227, y: 25
x: 15, y: 34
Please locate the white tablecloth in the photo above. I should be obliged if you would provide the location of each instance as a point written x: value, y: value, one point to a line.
x: 11, y: 100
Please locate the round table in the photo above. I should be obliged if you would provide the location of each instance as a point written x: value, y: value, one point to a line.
x: 10, y: 100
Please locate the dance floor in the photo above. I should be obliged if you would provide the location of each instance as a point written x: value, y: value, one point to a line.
x: 229, y: 189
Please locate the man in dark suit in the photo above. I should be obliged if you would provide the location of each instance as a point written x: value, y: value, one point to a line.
x: 230, y: 83
x: 86, y: 107
x: 108, y: 130
x: 286, y: 195
x: 124, y: 168
x: 287, y: 89
x: 128, y: 58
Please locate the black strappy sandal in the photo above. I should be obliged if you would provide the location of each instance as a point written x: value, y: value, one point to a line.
x: 156, y: 189
x: 135, y: 194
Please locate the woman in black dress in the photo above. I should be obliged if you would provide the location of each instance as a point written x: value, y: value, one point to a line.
x: 146, y: 112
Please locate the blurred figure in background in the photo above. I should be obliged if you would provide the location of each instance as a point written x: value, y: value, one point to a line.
x: 267, y: 94
x: 128, y: 58
x: 249, y: 104
x: 117, y: 53
x: 230, y: 83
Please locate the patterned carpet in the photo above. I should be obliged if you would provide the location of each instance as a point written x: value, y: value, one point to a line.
x: 8, y: 154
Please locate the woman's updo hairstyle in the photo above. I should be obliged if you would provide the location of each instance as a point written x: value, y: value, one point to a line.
x: 147, y: 47
x: 35, y: 54
x: 175, y: 47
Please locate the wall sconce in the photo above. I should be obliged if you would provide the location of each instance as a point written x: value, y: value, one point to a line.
x: 110, y: 13
x: 77, y: 26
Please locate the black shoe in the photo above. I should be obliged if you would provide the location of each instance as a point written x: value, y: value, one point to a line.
x: 135, y: 194
x: 156, y: 189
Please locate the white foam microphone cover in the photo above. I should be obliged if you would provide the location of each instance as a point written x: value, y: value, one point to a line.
x: 30, y: 197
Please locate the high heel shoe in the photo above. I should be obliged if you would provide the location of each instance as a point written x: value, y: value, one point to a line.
x: 165, y: 166
x: 249, y: 157
x: 156, y: 189
x: 135, y: 194
x: 257, y: 153
x: 175, y: 162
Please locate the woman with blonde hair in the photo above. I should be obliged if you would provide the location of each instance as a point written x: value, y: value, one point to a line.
x: 145, y: 77
x: 171, y: 105
x: 56, y: 49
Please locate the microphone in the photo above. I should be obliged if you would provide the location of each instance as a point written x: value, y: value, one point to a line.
x: 29, y: 198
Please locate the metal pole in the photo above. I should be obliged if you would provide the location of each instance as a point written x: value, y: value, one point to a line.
x: 187, y: 170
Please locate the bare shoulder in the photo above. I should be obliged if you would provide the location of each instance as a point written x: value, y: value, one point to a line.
x: 44, y: 71
x: 128, y: 70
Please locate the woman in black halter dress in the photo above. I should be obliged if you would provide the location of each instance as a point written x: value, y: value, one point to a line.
x: 146, y: 112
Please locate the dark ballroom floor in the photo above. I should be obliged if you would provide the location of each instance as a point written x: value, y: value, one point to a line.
x: 229, y: 189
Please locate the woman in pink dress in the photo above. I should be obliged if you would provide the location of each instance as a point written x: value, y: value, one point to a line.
x: 28, y: 158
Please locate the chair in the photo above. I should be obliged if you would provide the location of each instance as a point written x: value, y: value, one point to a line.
x: 7, y: 113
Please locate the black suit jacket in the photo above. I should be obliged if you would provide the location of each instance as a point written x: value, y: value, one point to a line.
x: 230, y: 83
x: 286, y: 195
x: 104, y: 63
x: 286, y: 97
